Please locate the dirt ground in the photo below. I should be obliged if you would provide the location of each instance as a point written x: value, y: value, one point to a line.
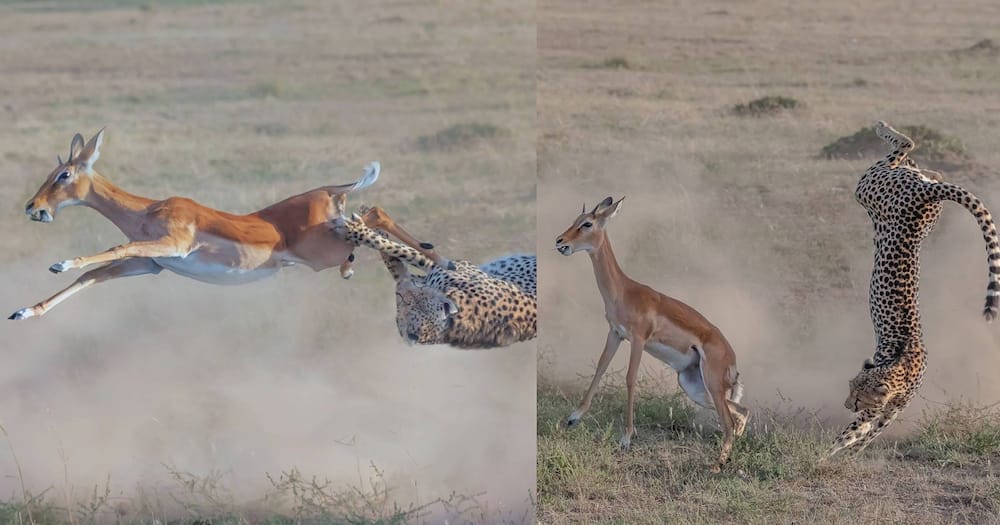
x: 740, y: 217
x: 156, y: 380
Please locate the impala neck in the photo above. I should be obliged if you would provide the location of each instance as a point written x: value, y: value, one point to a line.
x: 116, y: 204
x: 610, y: 277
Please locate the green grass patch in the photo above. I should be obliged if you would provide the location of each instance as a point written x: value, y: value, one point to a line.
x: 770, y: 105
x: 959, y: 434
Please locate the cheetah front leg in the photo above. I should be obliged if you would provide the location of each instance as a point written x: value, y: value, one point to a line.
x: 355, y: 231
x: 854, y: 432
x: 881, y: 422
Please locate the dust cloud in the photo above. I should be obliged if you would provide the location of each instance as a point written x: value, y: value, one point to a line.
x: 794, y: 350
x: 142, y: 377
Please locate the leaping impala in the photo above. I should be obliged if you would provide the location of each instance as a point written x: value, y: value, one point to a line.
x: 668, y: 329
x: 187, y: 238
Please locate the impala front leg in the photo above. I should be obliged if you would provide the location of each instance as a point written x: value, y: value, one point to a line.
x: 165, y: 247
x: 115, y: 270
x: 630, y: 380
x: 610, y: 347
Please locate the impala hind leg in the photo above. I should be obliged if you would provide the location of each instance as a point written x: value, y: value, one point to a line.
x: 631, y: 379
x: 610, y: 347
x: 115, y: 270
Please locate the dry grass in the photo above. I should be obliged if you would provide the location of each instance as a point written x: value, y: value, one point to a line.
x: 744, y: 220
x: 944, y: 473
x: 239, y: 104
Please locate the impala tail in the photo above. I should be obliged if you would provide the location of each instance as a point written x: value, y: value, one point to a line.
x: 372, y: 169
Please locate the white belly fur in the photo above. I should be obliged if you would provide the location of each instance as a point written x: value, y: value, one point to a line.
x: 671, y: 356
x: 214, y: 273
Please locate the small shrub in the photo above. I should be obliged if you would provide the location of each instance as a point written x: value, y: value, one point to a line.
x: 937, y: 150
x: 616, y: 63
x: 612, y: 63
x: 267, y: 89
x: 985, y: 46
x: 460, y: 136
x: 769, y: 105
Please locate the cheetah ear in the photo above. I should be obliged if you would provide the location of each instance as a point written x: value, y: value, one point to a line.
x: 868, y: 364
x: 449, y: 307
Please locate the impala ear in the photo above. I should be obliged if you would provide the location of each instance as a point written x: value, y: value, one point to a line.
x: 601, y: 205
x: 608, y: 208
x: 75, y: 147
x: 92, y: 151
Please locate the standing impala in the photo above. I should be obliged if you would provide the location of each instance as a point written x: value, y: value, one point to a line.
x: 187, y: 238
x: 668, y: 329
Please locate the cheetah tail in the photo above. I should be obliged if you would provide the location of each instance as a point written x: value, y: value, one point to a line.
x: 952, y: 192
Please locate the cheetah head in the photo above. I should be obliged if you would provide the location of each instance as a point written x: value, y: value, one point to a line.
x: 586, y: 234
x: 867, y: 389
x: 423, y: 314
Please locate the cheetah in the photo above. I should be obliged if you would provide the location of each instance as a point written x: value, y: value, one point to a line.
x: 904, y: 203
x: 456, y: 303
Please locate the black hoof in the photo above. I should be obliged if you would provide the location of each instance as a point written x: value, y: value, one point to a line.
x: 350, y: 258
x: 451, y: 265
x: 571, y: 422
x: 13, y: 317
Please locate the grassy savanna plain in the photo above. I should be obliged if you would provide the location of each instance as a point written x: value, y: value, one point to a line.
x: 737, y: 213
x: 159, y: 398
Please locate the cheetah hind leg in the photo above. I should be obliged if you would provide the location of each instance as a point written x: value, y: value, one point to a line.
x: 901, y: 143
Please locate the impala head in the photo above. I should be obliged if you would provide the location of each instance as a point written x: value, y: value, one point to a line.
x: 866, y: 389
x: 69, y: 183
x: 587, y: 231
x: 423, y: 314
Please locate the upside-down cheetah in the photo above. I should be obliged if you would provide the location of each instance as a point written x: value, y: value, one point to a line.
x: 904, y: 203
x: 463, y: 305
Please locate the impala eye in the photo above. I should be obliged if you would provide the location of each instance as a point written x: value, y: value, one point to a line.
x: 587, y: 224
x: 62, y: 176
